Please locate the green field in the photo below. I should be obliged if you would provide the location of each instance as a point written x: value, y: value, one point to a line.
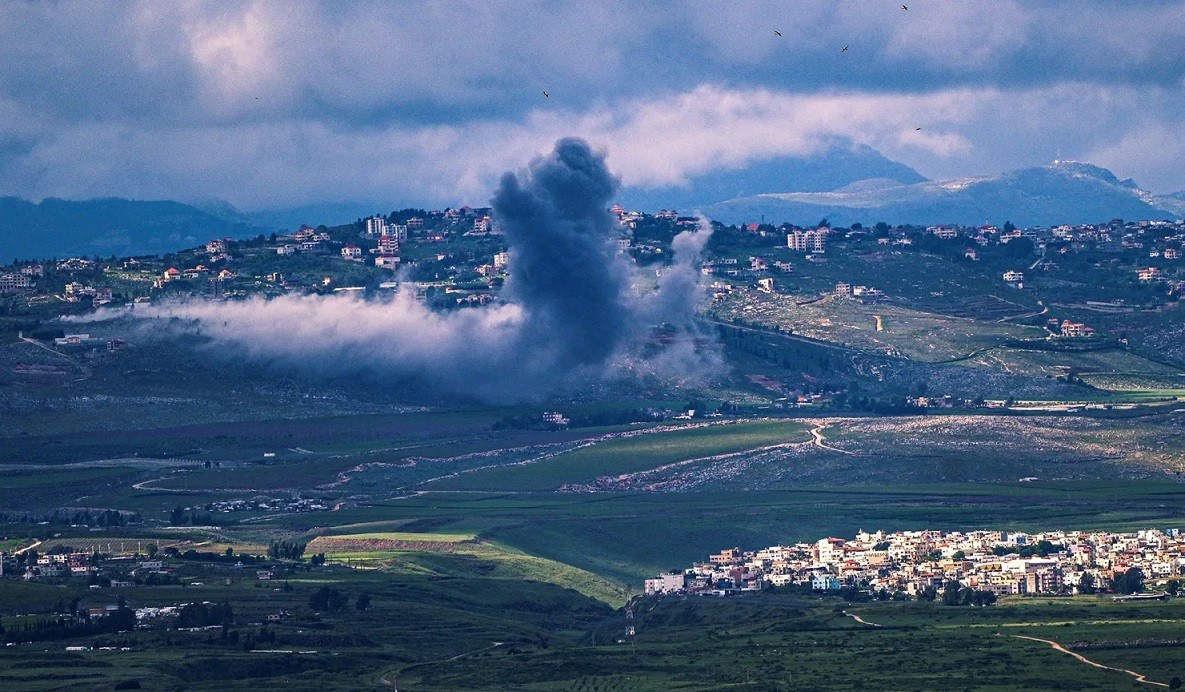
x: 789, y: 641
x: 630, y: 455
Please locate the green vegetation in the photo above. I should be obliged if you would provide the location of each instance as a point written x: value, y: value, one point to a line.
x: 631, y: 455
x: 786, y: 641
x: 353, y: 533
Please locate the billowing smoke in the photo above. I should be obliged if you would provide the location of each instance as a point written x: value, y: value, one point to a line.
x: 563, y: 272
x: 571, y: 310
x: 690, y: 354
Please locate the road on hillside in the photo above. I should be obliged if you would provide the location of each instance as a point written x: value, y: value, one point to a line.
x: 1140, y: 677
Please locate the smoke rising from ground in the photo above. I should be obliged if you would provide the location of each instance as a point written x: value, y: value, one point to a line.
x: 571, y: 313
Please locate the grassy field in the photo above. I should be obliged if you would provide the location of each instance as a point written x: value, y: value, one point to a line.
x: 786, y: 642
x: 436, y: 631
x: 454, y: 554
x: 629, y: 455
x: 626, y: 537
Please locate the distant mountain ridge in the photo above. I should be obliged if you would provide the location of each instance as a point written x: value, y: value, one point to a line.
x: 840, y: 163
x: 105, y: 227
x: 1061, y: 192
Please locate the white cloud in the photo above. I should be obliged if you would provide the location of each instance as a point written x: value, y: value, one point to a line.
x: 650, y: 142
x: 236, y: 53
x: 290, y: 103
x: 1153, y: 153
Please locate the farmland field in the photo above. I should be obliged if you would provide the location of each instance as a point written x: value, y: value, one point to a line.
x: 629, y: 455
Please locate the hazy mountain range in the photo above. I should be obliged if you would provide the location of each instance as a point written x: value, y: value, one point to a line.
x: 844, y: 184
x: 1061, y: 192
x: 105, y: 227
x: 840, y: 164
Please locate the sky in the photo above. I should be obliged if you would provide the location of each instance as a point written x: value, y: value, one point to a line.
x: 275, y: 104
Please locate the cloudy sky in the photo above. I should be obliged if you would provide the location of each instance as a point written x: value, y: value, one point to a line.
x: 269, y: 104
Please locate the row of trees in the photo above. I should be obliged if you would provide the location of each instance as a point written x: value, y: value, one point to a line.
x: 123, y: 619
x: 181, y: 516
x: 327, y: 598
x: 286, y: 549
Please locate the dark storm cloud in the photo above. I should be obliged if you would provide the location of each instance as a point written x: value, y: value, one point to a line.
x: 240, y: 99
x: 571, y: 315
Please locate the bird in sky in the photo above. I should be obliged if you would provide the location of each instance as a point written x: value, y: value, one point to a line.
x: 777, y: 32
x: 546, y: 95
x: 905, y: 8
x: 916, y: 129
x: 845, y: 49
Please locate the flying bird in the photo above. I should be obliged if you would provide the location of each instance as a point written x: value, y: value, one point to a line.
x: 546, y: 95
x: 845, y: 49
x: 777, y: 32
x: 916, y: 129
x: 905, y: 8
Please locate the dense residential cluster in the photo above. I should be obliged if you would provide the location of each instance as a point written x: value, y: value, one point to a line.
x: 921, y: 563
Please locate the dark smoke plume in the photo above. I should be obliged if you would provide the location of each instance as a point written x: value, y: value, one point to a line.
x: 564, y: 273
x: 571, y: 313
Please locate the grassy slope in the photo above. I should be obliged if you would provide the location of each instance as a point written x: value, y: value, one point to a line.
x: 629, y: 455
x: 783, y: 642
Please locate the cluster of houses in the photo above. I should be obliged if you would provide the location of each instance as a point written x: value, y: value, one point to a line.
x: 378, y: 241
x: 271, y: 504
x: 866, y: 294
x: 305, y: 240
x: 911, y: 562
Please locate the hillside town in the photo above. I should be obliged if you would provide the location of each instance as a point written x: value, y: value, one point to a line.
x: 456, y: 257
x: 917, y: 563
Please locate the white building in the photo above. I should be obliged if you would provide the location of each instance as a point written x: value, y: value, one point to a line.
x: 808, y: 241
x: 665, y: 583
x: 825, y: 582
x: 376, y: 225
x: 15, y: 282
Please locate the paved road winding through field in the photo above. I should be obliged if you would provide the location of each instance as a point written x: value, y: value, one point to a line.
x: 861, y: 620
x: 26, y: 548
x: 821, y: 442
x: 1140, y: 677
x: 86, y: 371
x: 392, y: 684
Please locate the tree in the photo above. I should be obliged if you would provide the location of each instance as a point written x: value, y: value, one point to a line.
x: 1086, y: 584
x: 1131, y: 581
x: 328, y: 598
x: 1175, y: 683
x: 951, y: 593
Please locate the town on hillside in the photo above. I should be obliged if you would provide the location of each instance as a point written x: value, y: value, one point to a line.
x: 921, y: 564
x: 1066, y: 289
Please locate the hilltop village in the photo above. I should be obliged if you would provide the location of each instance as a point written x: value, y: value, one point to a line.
x: 1069, y: 289
x: 458, y: 258
x: 920, y: 564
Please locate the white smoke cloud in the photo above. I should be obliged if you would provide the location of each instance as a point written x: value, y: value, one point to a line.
x: 569, y: 317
